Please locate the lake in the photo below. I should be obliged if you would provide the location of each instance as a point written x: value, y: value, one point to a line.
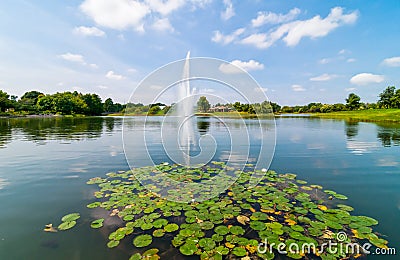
x: 45, y: 163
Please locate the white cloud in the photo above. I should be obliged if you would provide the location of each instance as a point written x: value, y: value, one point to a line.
x: 323, y: 77
x: 258, y: 40
x: 366, y: 78
x: 93, y: 66
x: 343, y: 51
x: 111, y: 75
x: 248, y: 65
x: 102, y: 87
x: 116, y: 14
x: 229, y: 11
x: 292, y: 32
x: 324, y: 61
x: 232, y: 68
x: 73, y: 58
x: 350, y: 89
x: 316, y: 27
x: 89, y: 31
x: 351, y: 60
x: 298, y: 88
x: 165, y: 7
x: 273, y: 18
x: 226, y: 39
x: 163, y: 25
x: 392, y: 62
x: 261, y: 90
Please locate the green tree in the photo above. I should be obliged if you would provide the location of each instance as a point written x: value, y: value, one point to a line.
x: 353, y: 102
x: 108, y: 105
x: 94, y: 104
x: 203, y: 105
x: 5, y: 102
x: 46, y: 104
x: 154, y: 110
x: 396, y: 99
x: 386, y: 97
x: 28, y: 101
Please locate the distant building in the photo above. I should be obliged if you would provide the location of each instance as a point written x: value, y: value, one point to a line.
x: 220, y: 109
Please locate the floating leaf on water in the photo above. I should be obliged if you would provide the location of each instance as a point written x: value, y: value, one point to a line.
x: 158, y: 233
x: 150, y: 252
x: 160, y: 223
x: 98, y: 223
x: 207, y: 243
x: 94, y: 205
x: 242, y: 219
x: 113, y: 243
x: 136, y: 256
x: 67, y: 225
x: 236, y: 230
x: 146, y: 226
x: 257, y: 225
x: 222, y: 230
x: 142, y: 240
x: 345, y: 207
x: 340, y: 196
x: 50, y: 228
x: 239, y: 251
x: 188, y: 249
x: 206, y: 225
x: 171, y: 227
x: 70, y: 217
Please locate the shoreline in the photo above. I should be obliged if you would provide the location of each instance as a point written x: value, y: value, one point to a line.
x: 372, y: 115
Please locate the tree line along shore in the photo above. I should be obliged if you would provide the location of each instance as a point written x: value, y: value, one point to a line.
x: 34, y: 103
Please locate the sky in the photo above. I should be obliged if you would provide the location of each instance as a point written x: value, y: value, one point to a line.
x: 298, y: 51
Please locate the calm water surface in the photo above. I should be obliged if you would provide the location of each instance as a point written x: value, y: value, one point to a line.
x: 45, y: 163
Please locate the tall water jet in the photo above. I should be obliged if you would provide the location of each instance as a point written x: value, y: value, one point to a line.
x: 185, y: 111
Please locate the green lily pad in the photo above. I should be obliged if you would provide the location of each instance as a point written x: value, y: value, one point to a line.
x: 70, y: 217
x: 207, y: 243
x: 160, y: 223
x: 142, y: 240
x: 188, y: 249
x: 136, y: 256
x: 67, y: 225
x: 98, y: 223
x: 236, y: 230
x: 257, y: 225
x: 113, y: 243
x: 171, y: 227
x: 222, y: 230
x: 158, y: 233
x: 239, y: 251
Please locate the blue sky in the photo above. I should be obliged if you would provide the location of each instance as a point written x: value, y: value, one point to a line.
x: 298, y: 51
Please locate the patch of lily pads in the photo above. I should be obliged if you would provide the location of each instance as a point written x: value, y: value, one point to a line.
x: 68, y: 222
x: 280, y: 209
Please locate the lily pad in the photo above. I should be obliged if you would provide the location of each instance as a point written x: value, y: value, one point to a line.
x: 158, y: 233
x: 67, y: 225
x: 113, y: 243
x: 239, y: 251
x: 70, y: 217
x: 98, y: 223
x: 142, y: 241
x: 188, y: 249
x: 171, y: 227
x: 236, y: 230
x: 222, y: 230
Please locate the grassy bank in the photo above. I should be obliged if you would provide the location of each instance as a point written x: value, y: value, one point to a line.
x: 371, y: 115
